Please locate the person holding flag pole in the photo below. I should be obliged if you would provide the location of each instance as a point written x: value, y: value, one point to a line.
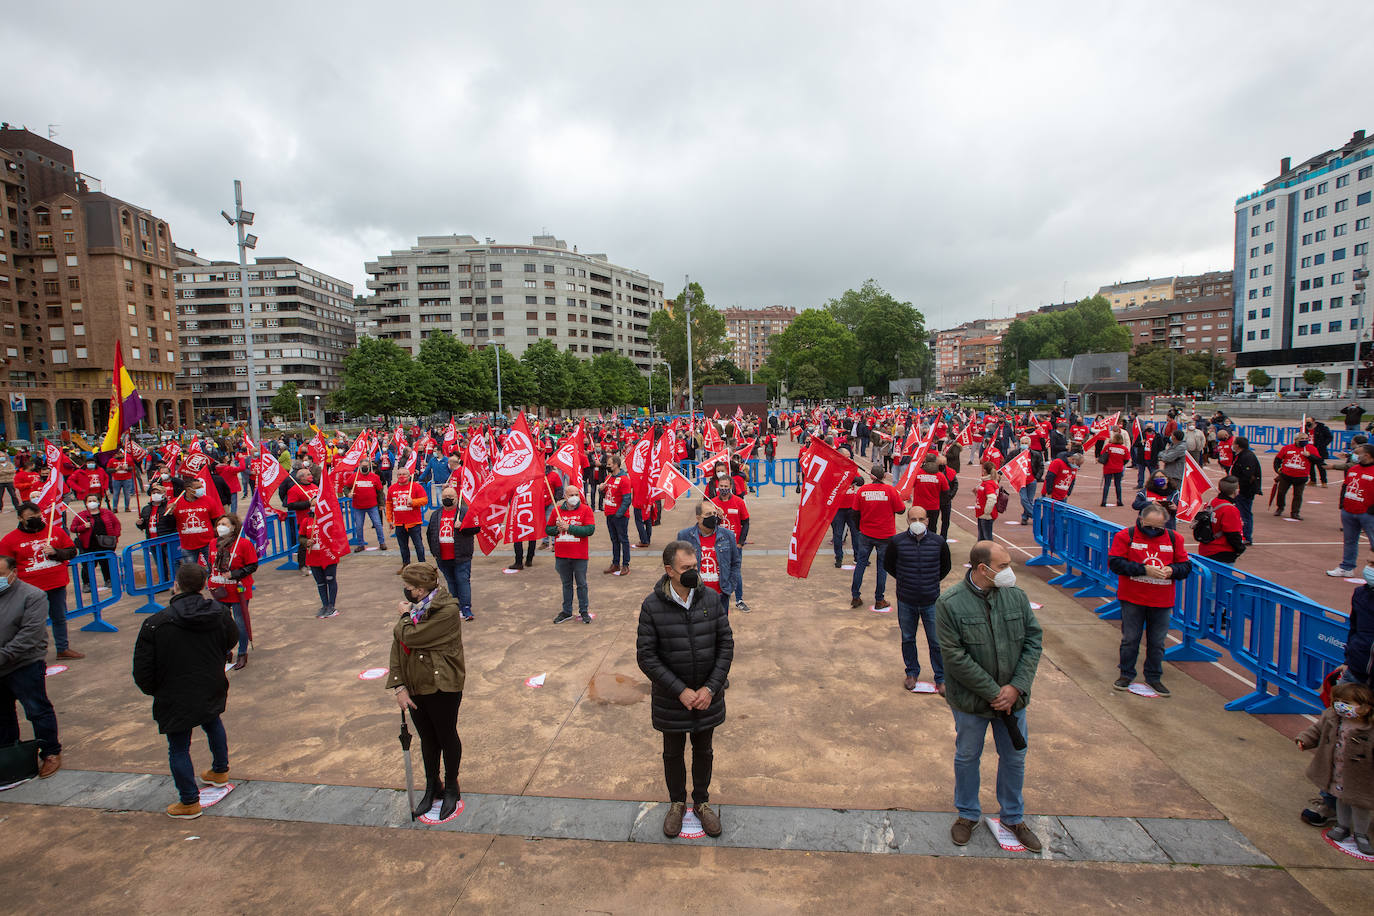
x: 232, y: 565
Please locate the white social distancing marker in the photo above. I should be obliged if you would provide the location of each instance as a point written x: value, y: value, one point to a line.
x: 1355, y: 581
x: 923, y: 687
x: 1005, y: 838
x: 881, y: 610
x: 431, y: 816
x: 54, y: 669
x: 1346, y: 846
x: 372, y: 674
x: 1144, y: 690
x: 213, y: 795
x: 691, y: 826
x: 1035, y: 606
x: 848, y: 566
x: 536, y: 681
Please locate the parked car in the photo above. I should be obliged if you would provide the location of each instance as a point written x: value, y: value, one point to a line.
x: 1268, y: 396
x: 1325, y: 394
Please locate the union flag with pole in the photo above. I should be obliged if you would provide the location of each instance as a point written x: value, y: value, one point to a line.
x: 126, y: 407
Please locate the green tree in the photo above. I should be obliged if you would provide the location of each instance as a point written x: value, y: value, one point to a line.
x: 890, y: 336
x: 662, y: 397
x: 284, y: 403
x: 458, y: 380
x: 1313, y: 377
x: 585, y: 388
x: 807, y: 383
x: 668, y: 332
x: 1159, y: 368
x: 1088, y: 327
x: 552, y: 378
x: 517, y: 381
x: 815, y: 338
x: 984, y: 387
x: 380, y: 378
x: 619, y: 380
x: 1258, y: 378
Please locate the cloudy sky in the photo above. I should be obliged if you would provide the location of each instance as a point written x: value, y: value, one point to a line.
x: 974, y: 158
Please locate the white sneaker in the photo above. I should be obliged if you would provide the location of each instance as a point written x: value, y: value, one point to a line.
x: 1339, y: 573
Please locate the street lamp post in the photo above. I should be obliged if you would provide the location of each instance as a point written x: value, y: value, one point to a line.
x: 240, y: 219
x: 319, y: 417
x: 498, y: 379
x: 687, y: 316
x: 300, y: 408
x: 1359, y: 274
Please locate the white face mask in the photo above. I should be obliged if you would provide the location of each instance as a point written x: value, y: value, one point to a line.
x: 917, y: 528
x: 223, y: 530
x: 720, y: 475
x: 574, y: 502
x: 1005, y: 578
x: 92, y: 504
x: 156, y: 497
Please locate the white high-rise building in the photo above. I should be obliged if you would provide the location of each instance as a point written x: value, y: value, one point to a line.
x: 513, y: 295
x: 1299, y: 241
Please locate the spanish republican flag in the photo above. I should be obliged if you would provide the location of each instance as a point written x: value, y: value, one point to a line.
x: 126, y: 407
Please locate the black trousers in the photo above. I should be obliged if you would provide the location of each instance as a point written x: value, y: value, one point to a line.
x: 527, y: 547
x: 933, y: 519
x: 675, y: 765
x: 1286, y: 483
x: 436, y: 721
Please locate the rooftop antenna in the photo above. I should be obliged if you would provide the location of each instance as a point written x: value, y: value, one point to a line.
x: 52, y: 130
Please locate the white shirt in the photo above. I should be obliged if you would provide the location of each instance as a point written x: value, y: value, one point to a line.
x: 685, y: 602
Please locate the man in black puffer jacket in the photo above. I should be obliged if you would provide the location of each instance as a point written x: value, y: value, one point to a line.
x: 918, y: 560
x: 685, y: 647
x: 179, y: 661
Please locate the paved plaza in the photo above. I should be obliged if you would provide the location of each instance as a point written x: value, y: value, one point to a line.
x: 834, y: 783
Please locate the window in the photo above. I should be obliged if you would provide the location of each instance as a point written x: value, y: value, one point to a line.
x: 494, y: 268
x: 531, y: 284
x: 1268, y: 247
x: 1253, y: 294
x: 1365, y: 172
x: 1342, y: 180
x: 1338, y: 230
x: 57, y: 333
x: 1338, y: 278
x: 531, y: 332
x: 1307, y: 238
x: 59, y: 356
x: 1321, y: 212
x: 1317, y: 327
x: 1333, y: 327
x: 1269, y: 226
x: 1254, y: 272
x: 1264, y: 335
x: 1267, y: 291
x: 1303, y: 307
x: 1306, y: 216
x: 1336, y: 302
x: 1254, y: 232
x: 1308, y: 193
x: 1305, y: 284
x: 1268, y: 270
x: 1337, y: 254
x: 1360, y: 249
x: 548, y: 268
x: 498, y: 300
x: 1254, y: 253
x: 1264, y: 313
x: 1318, y: 259
x: 1250, y: 315
x: 1362, y: 224
x: 1320, y: 235
x: 1323, y: 187
x: 1302, y: 330
x: 78, y: 330
x: 1307, y: 261
x: 1362, y: 199
x: 1255, y: 210
x: 137, y: 353
x: 1342, y: 205
x: 1249, y: 335
x: 531, y: 268
x: 1270, y: 204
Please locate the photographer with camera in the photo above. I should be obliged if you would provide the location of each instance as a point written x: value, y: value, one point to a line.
x: 990, y: 643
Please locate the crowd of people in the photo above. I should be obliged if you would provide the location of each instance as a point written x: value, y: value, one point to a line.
x: 417, y: 487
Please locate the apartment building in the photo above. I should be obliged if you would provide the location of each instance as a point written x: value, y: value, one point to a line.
x: 1300, y: 241
x: 967, y: 351
x: 303, y: 327
x: 1197, y: 325
x: 748, y: 331
x: 81, y: 270
x: 513, y: 295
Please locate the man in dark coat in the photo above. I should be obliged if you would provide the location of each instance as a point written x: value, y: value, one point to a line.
x: 179, y: 661
x: 685, y: 647
x: 1245, y: 467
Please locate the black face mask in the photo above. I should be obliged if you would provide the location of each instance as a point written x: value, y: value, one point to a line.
x: 31, y: 525
x: 710, y: 522
x: 405, y: 593
x: 1151, y: 531
x: 691, y: 578
x: 450, y: 502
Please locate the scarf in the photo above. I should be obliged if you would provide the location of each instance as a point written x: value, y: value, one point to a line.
x: 419, y: 609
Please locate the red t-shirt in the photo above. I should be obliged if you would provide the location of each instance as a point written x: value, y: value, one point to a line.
x: 1226, y: 520
x: 1293, y: 461
x: 366, y: 491
x: 616, y: 489
x: 1226, y: 454
x: 569, y: 545
x: 985, y: 498
x: 36, y: 568
x: 1064, y: 473
x: 1114, y: 458
x: 317, y: 554
x: 878, y: 504
x: 1357, y: 492
x: 299, y: 493
x: 229, y: 473
x: 25, y: 482
x: 195, y: 521
x: 1163, y: 550
x: 244, y: 553
x: 707, y: 564
x: 926, y: 490
x: 991, y: 453
x: 735, y: 512
x: 88, y: 481
x: 120, y: 469
x: 399, y: 499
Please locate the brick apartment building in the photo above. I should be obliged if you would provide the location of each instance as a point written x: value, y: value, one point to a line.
x: 80, y: 270
x: 748, y: 331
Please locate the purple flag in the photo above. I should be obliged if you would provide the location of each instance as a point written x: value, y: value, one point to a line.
x: 255, y: 523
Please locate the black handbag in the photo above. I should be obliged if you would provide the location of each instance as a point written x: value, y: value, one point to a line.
x: 104, y: 541
x: 18, y: 762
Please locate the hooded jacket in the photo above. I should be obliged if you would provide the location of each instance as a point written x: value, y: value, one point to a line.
x: 179, y: 661
x: 681, y: 647
x: 23, y: 626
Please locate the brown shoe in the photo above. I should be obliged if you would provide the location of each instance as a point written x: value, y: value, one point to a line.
x: 211, y: 778
x: 1025, y: 836
x: 185, y: 812
x: 879, y: 605
x: 49, y: 766
x: 710, y: 820
x: 856, y: 602
x: 71, y: 653
x: 640, y: 546
x: 672, y: 821
x: 241, y: 662
x: 610, y: 571
x: 909, y: 683
x: 961, y: 831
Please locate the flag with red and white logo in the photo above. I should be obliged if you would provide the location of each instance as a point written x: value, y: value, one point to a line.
x: 451, y: 437
x: 1017, y: 471
x: 519, y: 463
x: 1192, y: 494
x: 826, y: 476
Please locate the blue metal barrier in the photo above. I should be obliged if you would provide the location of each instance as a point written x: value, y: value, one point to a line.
x: 281, y: 534
x: 1192, y: 615
x: 1293, y: 662
x: 157, y: 559
x: 84, y: 569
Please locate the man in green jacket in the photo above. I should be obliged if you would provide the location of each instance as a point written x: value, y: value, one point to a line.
x: 990, y: 640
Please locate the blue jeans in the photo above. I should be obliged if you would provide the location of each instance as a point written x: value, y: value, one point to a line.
x: 27, y: 685
x: 361, y: 517
x: 57, y: 615
x: 863, y: 546
x: 739, y: 581
x: 573, y: 571
x: 1352, y: 523
x: 240, y: 611
x: 1153, y: 622
x: 969, y: 732
x: 984, y: 529
x: 199, y: 555
x: 326, y: 583
x: 619, y: 528
x: 405, y: 537
x: 909, y: 617
x: 126, y: 487
x: 179, y: 757
x: 1246, y: 505
x: 1107, y: 481
x: 458, y: 575
x: 643, y: 529
x: 1028, y: 500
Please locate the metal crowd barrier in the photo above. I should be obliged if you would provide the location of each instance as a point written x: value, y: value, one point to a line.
x: 157, y: 558
x: 84, y: 568
x: 1286, y: 640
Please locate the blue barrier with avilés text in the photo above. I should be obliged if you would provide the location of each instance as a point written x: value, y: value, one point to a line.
x: 85, y: 571
x: 1287, y: 641
x: 156, y: 558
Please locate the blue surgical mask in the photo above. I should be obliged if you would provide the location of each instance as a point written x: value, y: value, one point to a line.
x: 1369, y: 576
x: 4, y: 584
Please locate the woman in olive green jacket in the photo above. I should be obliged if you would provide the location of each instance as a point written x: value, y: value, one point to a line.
x: 427, y: 673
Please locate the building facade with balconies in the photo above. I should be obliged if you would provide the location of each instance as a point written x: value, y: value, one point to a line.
x: 748, y: 331
x: 303, y: 327
x: 495, y: 293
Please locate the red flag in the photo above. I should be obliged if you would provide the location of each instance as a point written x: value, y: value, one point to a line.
x: 1017, y: 471
x: 474, y: 468
x: 198, y: 464
x: 913, y: 467
x: 270, y: 474
x: 133, y: 450
x: 195, y: 448
x: 410, y: 462
x: 354, y: 457
x: 826, y: 476
x: 525, y: 518
x: 1194, y: 490
x: 965, y: 439
x: 569, y: 458
x: 708, y: 467
x: 745, y: 450
x: 1135, y: 430
x: 639, y: 468
x: 329, y: 520
x: 671, y: 485
x: 451, y: 437
x: 519, y: 463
